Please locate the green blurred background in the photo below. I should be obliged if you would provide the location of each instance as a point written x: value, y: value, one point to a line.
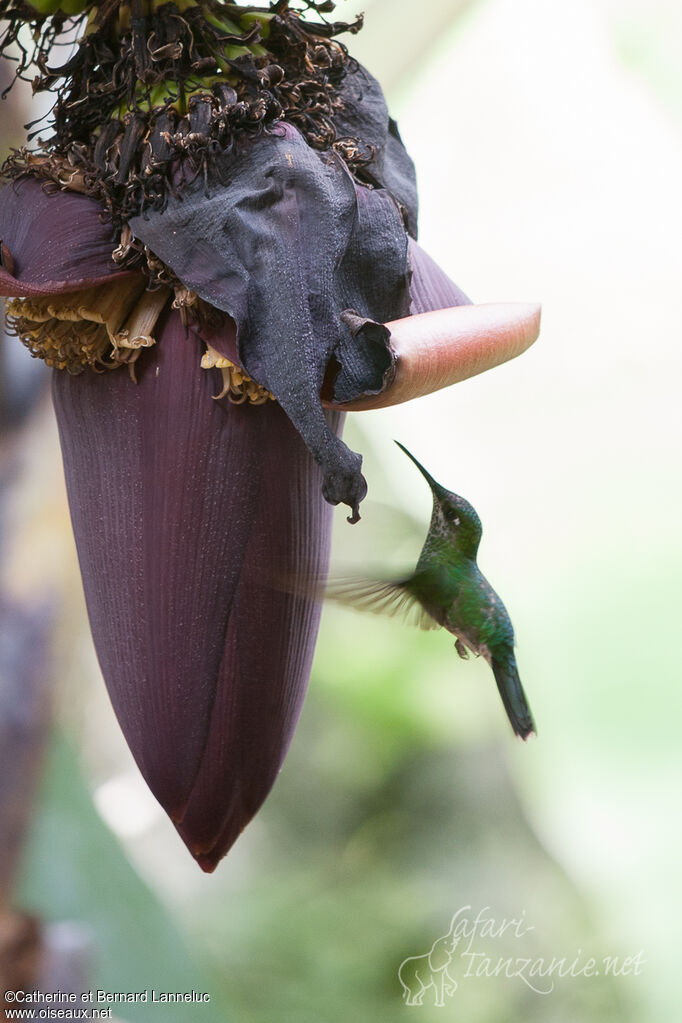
x: 548, y: 143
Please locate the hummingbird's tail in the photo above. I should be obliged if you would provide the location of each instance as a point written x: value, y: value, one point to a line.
x: 513, y: 697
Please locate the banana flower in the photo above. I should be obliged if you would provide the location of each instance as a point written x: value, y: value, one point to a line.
x: 215, y: 274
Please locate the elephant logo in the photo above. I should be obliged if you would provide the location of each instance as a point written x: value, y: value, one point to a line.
x: 419, y: 973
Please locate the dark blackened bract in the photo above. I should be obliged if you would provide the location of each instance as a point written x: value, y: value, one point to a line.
x: 362, y: 114
x: 284, y: 240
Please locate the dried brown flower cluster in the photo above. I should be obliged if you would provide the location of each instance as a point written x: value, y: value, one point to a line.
x: 153, y: 90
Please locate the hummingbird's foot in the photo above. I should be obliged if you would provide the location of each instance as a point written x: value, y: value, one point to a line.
x: 461, y: 650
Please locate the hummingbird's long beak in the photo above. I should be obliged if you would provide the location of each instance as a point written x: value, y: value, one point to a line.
x: 436, y: 488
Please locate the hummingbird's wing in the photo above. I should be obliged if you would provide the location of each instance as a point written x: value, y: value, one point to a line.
x: 396, y: 597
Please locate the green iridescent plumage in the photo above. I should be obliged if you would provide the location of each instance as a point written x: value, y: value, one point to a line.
x: 448, y: 589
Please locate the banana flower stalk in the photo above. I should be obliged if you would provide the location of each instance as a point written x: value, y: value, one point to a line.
x: 216, y: 252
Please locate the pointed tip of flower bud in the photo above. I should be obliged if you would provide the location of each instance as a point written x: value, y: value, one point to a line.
x: 207, y: 864
x: 209, y: 858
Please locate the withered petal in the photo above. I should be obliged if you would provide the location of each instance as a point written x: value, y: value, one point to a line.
x: 442, y: 347
x: 56, y: 241
x: 446, y: 339
x: 430, y: 289
x: 363, y: 114
x: 183, y: 508
x: 285, y: 247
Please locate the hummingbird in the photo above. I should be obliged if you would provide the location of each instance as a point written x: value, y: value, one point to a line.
x: 448, y: 590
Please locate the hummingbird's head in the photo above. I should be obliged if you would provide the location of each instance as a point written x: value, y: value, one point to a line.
x: 453, y: 518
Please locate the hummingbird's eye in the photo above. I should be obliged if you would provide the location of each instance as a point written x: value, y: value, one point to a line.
x: 452, y: 516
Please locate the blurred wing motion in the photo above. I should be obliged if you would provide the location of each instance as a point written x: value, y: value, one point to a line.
x: 395, y: 598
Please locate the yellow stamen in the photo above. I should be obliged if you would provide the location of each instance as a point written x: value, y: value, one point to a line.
x: 237, y: 386
x: 63, y: 344
x: 137, y: 332
x: 88, y: 327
